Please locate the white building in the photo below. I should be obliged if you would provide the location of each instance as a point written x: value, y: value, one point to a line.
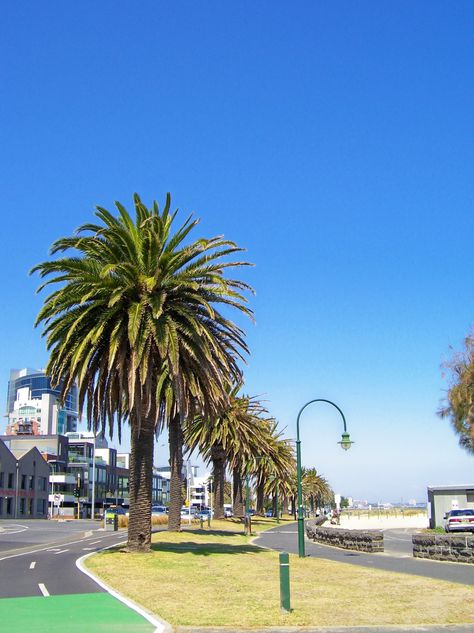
x: 34, y: 408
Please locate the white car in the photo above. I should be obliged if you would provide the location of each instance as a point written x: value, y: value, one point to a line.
x: 459, y: 520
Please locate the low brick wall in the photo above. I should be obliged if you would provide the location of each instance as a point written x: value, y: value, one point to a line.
x: 359, y: 540
x: 452, y: 547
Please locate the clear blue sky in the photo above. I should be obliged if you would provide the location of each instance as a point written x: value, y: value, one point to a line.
x: 334, y: 140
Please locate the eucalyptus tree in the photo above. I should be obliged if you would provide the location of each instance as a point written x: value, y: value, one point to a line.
x: 459, y: 408
x: 135, y: 320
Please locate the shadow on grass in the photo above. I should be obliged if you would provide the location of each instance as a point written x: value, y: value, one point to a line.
x: 206, y: 549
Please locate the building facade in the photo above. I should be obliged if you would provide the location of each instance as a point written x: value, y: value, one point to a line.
x: 442, y: 499
x: 24, y: 478
x: 34, y: 407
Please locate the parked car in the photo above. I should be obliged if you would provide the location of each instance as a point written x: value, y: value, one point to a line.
x: 459, y: 520
x: 158, y: 511
x: 228, y: 513
x: 112, y: 510
x: 269, y: 513
x: 204, y: 514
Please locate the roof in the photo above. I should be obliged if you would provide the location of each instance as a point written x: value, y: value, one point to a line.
x: 459, y: 487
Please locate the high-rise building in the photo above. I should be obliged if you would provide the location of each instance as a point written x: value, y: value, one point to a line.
x: 34, y: 407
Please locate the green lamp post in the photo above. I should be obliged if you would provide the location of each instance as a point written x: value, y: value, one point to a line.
x: 345, y: 443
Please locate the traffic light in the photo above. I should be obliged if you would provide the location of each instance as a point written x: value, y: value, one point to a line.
x: 77, y: 492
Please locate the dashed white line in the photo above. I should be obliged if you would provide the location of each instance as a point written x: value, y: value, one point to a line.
x: 32, y: 564
x: 43, y: 589
x: 87, y: 549
x: 93, y: 542
x: 61, y: 551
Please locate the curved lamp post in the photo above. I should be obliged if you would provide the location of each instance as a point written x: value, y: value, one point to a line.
x: 345, y: 443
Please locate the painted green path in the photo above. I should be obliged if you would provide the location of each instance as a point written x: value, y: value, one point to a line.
x: 78, y: 613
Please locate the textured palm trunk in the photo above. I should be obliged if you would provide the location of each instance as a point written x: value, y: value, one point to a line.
x: 140, y: 488
x: 218, y: 475
x: 284, y: 505
x: 260, y: 498
x: 176, y: 467
x: 238, y: 500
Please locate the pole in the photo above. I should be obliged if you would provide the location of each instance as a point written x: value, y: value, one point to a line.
x: 344, y: 444
x: 277, y: 509
x: 17, y: 488
x: 93, y: 481
x: 285, y: 581
x: 78, y: 480
x: 189, y: 492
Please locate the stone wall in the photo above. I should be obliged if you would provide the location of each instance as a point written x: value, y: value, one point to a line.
x: 360, y: 540
x: 452, y: 547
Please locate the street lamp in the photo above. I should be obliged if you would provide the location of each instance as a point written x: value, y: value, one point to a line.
x: 345, y: 443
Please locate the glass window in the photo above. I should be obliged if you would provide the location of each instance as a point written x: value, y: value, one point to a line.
x: 31, y: 482
x: 2, y: 475
x: 9, y: 505
x: 22, y: 505
x: 10, y: 481
x: 23, y: 482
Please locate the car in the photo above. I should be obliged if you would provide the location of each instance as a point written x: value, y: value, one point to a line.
x: 228, y: 513
x: 159, y: 510
x: 205, y: 514
x: 459, y: 520
x: 112, y: 510
x: 269, y: 513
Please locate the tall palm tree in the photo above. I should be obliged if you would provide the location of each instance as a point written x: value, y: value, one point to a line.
x: 135, y: 321
x: 219, y: 437
x: 315, y: 488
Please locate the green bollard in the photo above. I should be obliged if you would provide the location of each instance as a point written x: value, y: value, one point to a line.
x: 209, y: 521
x: 285, y: 582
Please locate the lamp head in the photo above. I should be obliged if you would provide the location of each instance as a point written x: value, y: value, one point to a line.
x: 345, y: 442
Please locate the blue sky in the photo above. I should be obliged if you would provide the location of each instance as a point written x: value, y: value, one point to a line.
x: 332, y: 139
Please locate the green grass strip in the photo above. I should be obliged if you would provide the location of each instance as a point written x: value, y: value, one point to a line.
x: 98, y: 612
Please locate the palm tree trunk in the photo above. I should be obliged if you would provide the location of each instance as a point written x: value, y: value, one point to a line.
x: 140, y: 491
x: 284, y: 505
x: 238, y: 500
x: 260, y: 497
x: 218, y: 475
x: 176, y: 467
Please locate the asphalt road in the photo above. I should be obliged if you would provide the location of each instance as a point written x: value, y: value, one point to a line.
x: 396, y: 558
x: 41, y: 559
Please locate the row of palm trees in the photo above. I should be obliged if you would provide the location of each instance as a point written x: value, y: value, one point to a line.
x: 140, y: 318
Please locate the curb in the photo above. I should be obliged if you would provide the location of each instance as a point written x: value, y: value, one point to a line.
x: 161, y: 626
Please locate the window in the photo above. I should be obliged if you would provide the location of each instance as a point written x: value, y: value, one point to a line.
x: 31, y: 482
x: 10, y: 481
x: 22, y: 505
x: 1, y: 506
x: 40, y: 506
x: 41, y: 483
x: 2, y: 476
x: 23, y: 482
x: 9, y: 505
x: 30, y: 506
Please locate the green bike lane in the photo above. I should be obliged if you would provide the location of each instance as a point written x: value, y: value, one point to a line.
x: 48, y: 589
x: 77, y: 613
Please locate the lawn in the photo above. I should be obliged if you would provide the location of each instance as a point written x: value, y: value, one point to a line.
x: 219, y: 578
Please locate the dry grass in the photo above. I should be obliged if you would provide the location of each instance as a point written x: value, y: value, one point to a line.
x: 218, y: 578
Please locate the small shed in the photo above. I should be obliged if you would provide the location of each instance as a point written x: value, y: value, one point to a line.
x: 442, y: 499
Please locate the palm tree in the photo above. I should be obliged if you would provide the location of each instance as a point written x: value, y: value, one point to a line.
x: 135, y: 322
x: 315, y: 488
x: 220, y: 437
x: 460, y: 397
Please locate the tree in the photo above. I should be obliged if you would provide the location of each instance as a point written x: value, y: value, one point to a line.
x: 459, y: 408
x: 135, y: 322
x: 315, y: 488
x: 220, y: 438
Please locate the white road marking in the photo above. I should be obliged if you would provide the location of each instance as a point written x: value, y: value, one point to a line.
x: 61, y: 551
x: 87, y: 549
x: 53, y: 549
x: 94, y: 542
x: 43, y: 589
x: 33, y: 564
